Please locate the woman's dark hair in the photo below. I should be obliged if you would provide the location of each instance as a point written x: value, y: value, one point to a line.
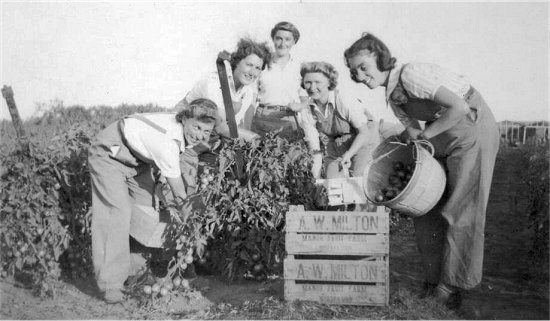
x: 286, y: 26
x: 247, y: 47
x: 321, y: 67
x: 384, y: 60
x: 203, y: 109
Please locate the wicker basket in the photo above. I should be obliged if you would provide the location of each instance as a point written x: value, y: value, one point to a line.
x: 425, y: 186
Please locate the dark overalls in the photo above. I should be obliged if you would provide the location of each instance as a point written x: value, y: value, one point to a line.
x: 337, y: 135
x: 274, y: 117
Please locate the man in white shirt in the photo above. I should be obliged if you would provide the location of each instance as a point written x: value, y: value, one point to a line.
x: 121, y: 160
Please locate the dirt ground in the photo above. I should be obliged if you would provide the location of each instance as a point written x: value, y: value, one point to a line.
x: 512, y: 287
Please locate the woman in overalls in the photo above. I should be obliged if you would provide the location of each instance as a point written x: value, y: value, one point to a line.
x: 121, y: 159
x: 338, y: 128
x: 465, y: 136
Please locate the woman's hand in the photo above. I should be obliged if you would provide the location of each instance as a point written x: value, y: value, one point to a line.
x: 410, y: 134
x: 304, y: 102
x: 345, y: 162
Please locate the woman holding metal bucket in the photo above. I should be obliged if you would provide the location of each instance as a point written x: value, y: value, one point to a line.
x: 465, y: 137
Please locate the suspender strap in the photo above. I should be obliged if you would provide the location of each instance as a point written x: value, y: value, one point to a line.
x: 148, y: 122
x: 401, y: 81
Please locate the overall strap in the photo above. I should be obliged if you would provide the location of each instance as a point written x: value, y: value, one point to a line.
x: 339, y: 120
x: 147, y: 121
x: 401, y: 81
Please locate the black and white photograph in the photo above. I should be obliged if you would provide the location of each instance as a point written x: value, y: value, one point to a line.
x: 268, y: 160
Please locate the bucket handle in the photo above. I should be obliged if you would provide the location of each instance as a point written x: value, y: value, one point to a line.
x: 419, y: 143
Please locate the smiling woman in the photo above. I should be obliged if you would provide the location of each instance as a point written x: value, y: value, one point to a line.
x: 247, y: 62
x: 122, y: 160
x: 462, y: 128
x: 347, y: 130
x: 279, y: 86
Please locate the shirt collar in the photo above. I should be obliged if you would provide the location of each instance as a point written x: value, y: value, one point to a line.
x: 177, y: 135
x: 331, y: 103
x: 393, y: 79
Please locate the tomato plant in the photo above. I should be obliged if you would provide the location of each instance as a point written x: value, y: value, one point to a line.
x: 45, y: 195
x: 244, y: 218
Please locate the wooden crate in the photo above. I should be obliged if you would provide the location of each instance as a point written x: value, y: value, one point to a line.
x: 147, y: 225
x: 337, y: 257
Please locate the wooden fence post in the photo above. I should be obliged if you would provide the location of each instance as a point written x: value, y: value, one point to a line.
x: 7, y: 93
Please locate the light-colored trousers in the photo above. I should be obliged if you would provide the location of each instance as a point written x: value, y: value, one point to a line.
x: 451, y: 235
x: 115, y: 188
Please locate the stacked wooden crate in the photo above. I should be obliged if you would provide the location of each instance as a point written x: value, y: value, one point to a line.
x: 338, y: 257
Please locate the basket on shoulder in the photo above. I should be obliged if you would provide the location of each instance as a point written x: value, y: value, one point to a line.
x: 406, y: 178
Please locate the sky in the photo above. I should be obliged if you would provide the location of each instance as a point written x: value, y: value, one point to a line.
x: 110, y: 53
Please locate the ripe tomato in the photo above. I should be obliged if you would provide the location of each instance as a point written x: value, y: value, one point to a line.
x: 155, y: 288
x: 401, y: 174
x: 397, y: 165
x: 185, y: 283
x: 169, y: 286
x: 188, y: 259
x: 163, y: 291
x: 258, y: 267
x: 176, y: 281
x: 147, y: 289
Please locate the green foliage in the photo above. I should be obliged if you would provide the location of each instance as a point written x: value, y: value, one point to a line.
x: 531, y: 162
x: 537, y: 182
x: 245, y: 217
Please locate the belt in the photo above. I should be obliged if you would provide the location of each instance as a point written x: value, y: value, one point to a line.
x: 275, y: 107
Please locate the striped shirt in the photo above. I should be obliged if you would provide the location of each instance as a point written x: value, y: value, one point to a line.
x: 422, y: 80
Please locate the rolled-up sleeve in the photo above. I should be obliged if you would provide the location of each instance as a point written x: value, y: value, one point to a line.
x: 354, y: 110
x: 307, y: 122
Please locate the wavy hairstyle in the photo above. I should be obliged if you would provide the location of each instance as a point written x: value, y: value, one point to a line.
x: 247, y: 47
x: 321, y: 67
x: 203, y: 109
x: 286, y: 26
x: 384, y: 60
